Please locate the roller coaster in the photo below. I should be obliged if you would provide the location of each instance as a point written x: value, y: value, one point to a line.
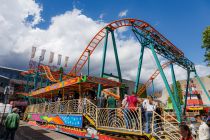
x: 54, y: 114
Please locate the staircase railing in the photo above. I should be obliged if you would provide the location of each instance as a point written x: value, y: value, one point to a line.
x: 90, y: 109
x: 120, y: 120
x: 163, y: 129
x: 170, y: 118
x: 112, y: 119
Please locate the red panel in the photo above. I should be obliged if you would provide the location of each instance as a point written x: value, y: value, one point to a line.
x: 194, y: 102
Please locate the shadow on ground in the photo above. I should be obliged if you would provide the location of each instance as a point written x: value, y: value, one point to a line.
x: 28, y: 133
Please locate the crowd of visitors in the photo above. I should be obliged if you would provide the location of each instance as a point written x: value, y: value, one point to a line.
x: 129, y: 106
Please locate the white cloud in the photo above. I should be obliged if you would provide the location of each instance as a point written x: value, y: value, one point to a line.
x: 123, y: 13
x: 68, y: 34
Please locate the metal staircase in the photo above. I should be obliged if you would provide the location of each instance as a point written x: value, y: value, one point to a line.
x: 165, y: 127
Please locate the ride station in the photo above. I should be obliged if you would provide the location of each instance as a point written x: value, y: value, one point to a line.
x: 77, y: 114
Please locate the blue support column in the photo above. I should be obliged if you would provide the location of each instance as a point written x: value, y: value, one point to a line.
x: 139, y: 69
x: 116, y: 56
x: 153, y: 88
x: 103, y: 61
x: 175, y: 87
x: 202, y: 85
x: 166, y: 83
x: 186, y: 92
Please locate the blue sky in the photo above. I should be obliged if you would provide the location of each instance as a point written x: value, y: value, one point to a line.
x: 181, y: 21
x: 66, y: 27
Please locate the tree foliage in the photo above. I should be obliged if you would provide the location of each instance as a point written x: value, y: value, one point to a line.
x: 206, y: 44
x: 179, y: 92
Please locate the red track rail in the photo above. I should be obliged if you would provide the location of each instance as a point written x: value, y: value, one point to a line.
x: 149, y: 82
x: 141, y: 25
x: 145, y: 27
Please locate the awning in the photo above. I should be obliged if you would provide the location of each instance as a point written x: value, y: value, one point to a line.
x: 73, y: 84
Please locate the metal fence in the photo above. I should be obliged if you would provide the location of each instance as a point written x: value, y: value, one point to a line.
x: 112, y: 119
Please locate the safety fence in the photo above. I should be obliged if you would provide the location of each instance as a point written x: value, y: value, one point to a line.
x: 163, y: 129
x: 112, y: 119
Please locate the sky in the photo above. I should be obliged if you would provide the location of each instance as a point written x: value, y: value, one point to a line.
x: 66, y: 27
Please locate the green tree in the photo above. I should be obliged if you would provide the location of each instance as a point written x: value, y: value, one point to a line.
x: 179, y: 92
x: 206, y: 45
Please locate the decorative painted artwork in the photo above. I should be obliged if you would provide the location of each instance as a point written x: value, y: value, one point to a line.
x: 60, y: 119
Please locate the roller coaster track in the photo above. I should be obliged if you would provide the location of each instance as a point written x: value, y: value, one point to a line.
x: 145, y: 27
x: 149, y: 82
x: 48, y: 73
x: 162, y: 46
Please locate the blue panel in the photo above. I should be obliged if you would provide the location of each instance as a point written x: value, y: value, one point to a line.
x: 72, y: 120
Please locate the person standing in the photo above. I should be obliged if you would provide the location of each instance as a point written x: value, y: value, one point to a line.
x: 111, y: 105
x: 125, y: 111
x: 149, y: 107
x: 12, y: 123
x: 101, y: 101
x: 158, y: 121
x: 111, y: 102
x: 132, y: 106
x: 185, y: 132
x: 203, y: 131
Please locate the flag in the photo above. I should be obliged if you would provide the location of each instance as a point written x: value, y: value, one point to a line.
x: 42, y: 55
x: 66, y: 61
x: 33, y: 52
x: 59, y: 59
x: 51, y: 57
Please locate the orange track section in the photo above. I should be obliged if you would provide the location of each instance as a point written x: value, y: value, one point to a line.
x: 112, y: 94
x: 141, y: 25
x: 145, y: 27
x: 149, y: 82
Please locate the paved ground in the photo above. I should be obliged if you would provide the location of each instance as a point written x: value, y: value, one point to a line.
x: 26, y: 132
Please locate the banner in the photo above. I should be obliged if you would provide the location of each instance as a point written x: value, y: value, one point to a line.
x: 66, y: 61
x: 59, y: 59
x: 33, y: 52
x: 42, y: 55
x: 51, y: 57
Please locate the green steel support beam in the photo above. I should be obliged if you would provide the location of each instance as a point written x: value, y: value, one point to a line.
x: 116, y: 56
x: 61, y: 77
x: 190, y: 89
x: 140, y: 58
x: 41, y: 82
x: 88, y: 63
x: 202, y: 85
x: 153, y: 88
x: 166, y: 82
x: 36, y: 79
x: 186, y: 92
x: 27, y: 83
x: 48, y: 82
x: 175, y: 87
x: 103, y: 61
x: 139, y: 69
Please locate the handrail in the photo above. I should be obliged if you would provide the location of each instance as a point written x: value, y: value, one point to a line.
x: 171, y: 117
x: 163, y: 129
x: 120, y: 120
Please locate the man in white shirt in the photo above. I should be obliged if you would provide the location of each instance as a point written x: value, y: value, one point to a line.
x: 203, y: 132
x: 126, y: 112
x: 149, y: 106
